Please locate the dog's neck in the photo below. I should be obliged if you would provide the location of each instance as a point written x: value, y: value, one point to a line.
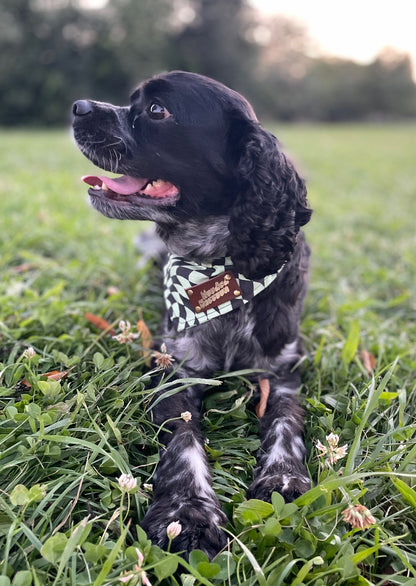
x: 197, y: 240
x: 197, y: 293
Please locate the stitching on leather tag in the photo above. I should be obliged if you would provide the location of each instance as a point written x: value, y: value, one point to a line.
x: 214, y: 292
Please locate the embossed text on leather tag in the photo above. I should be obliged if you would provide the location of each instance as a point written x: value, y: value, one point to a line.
x: 214, y: 292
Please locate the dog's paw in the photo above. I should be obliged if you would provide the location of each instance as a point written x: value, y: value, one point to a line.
x: 200, y: 522
x: 289, y: 485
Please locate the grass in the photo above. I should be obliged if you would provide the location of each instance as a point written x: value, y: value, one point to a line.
x: 64, y: 443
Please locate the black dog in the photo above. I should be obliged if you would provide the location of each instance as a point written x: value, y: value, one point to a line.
x: 229, y: 206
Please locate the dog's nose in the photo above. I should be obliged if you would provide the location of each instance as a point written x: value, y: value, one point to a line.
x: 81, y: 108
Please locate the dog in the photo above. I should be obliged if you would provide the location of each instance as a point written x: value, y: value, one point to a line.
x: 229, y: 206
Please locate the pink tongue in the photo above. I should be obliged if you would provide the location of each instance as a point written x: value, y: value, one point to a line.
x: 124, y: 185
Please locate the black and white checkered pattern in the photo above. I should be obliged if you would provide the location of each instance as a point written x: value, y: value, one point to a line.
x: 180, y: 274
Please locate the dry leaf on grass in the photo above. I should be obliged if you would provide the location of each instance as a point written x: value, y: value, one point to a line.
x: 369, y: 360
x: 99, y: 323
x: 56, y: 374
x: 146, y: 339
x: 51, y: 375
x: 26, y: 266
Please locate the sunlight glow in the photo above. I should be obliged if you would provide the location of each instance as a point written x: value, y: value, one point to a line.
x: 357, y: 29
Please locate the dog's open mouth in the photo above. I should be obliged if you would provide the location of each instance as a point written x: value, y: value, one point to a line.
x: 127, y: 188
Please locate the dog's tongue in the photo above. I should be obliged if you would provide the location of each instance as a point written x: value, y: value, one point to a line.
x: 124, y: 185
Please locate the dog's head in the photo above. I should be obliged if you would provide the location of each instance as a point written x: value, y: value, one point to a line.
x: 187, y: 148
x: 170, y: 145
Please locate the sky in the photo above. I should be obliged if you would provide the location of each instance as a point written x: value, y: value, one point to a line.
x: 355, y: 29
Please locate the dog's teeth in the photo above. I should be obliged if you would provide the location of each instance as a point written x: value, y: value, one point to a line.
x: 96, y: 187
x: 148, y: 188
x: 153, y: 185
x: 104, y: 187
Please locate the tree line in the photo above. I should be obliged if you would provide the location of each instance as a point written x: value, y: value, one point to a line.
x: 55, y: 51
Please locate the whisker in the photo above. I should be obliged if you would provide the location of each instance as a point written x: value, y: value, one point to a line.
x: 111, y: 144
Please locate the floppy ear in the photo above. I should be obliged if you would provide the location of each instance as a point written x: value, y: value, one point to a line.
x: 271, y: 204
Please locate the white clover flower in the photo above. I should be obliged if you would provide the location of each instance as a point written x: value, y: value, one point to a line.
x: 337, y: 454
x: 332, y: 440
x: 162, y: 358
x: 173, y: 529
x: 186, y: 416
x: 137, y: 575
x: 333, y: 452
x: 145, y: 579
x: 127, y: 483
x: 126, y: 335
x: 128, y: 578
x: 359, y: 517
x: 29, y: 353
x: 140, y: 557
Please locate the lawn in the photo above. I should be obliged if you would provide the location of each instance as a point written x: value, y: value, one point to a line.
x: 66, y: 437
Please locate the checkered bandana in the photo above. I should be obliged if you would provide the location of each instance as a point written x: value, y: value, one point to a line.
x: 180, y: 274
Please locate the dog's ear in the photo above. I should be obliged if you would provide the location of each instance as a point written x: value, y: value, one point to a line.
x: 271, y: 204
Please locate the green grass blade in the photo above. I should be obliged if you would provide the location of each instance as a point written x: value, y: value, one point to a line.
x: 108, y: 564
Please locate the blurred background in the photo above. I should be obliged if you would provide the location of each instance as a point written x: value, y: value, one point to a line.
x: 295, y: 60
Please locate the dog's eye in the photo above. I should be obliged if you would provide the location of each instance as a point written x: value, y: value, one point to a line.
x: 157, y: 112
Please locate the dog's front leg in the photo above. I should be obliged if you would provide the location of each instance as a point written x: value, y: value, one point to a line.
x: 280, y: 460
x: 182, y: 484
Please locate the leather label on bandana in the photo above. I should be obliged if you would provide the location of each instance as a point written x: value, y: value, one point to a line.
x: 214, y: 292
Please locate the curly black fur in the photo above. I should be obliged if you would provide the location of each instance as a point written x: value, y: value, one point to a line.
x: 271, y: 205
x: 237, y: 195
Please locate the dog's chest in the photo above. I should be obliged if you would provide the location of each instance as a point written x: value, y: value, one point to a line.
x: 225, y: 343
